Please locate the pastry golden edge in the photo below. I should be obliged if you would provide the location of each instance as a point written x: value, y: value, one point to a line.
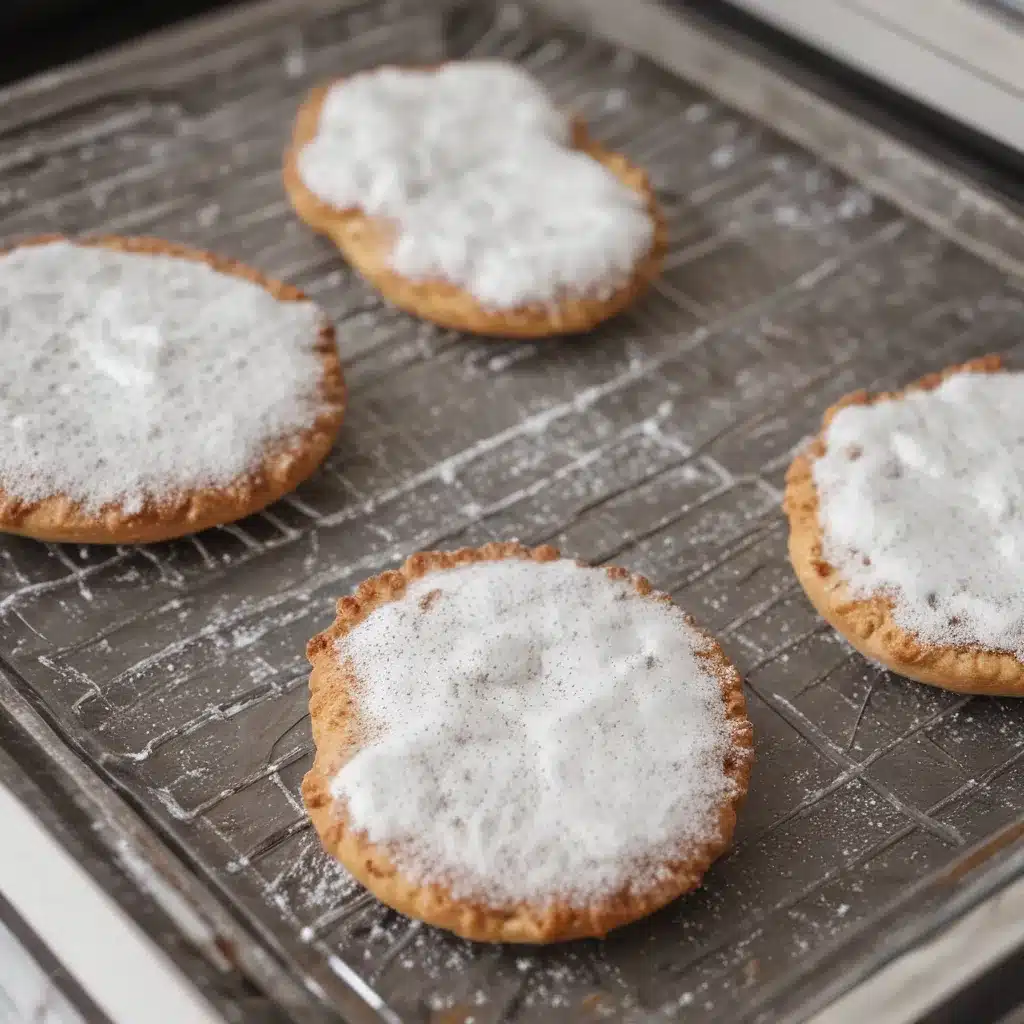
x: 58, y: 518
x: 333, y: 733
x: 365, y: 243
x: 867, y: 623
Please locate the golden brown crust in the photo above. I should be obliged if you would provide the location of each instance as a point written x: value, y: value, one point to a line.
x: 868, y: 623
x: 331, y: 714
x: 284, y: 467
x: 366, y: 244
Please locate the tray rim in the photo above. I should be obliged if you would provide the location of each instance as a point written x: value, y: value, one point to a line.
x: 678, y: 40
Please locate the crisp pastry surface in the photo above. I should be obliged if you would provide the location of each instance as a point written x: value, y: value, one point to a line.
x: 526, y: 228
x: 906, y: 530
x: 152, y: 390
x: 494, y: 763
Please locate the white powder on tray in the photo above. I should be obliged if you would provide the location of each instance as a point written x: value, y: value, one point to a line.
x: 126, y: 375
x: 922, y: 500
x: 472, y: 163
x: 534, y: 731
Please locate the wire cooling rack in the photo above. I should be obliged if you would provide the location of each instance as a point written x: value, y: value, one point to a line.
x: 166, y: 683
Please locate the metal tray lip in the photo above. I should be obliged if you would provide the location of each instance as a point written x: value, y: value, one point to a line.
x: 984, y: 884
x: 952, y: 921
x: 82, y: 775
x: 671, y: 38
x: 196, y: 914
x: 157, y: 888
x: 686, y: 46
x: 675, y: 39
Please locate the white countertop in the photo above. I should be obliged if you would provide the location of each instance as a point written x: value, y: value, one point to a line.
x: 125, y: 973
x: 953, y: 55
x: 27, y: 994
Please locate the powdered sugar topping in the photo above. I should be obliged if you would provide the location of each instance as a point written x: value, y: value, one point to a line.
x: 126, y: 375
x: 473, y: 164
x: 534, y: 731
x: 922, y: 499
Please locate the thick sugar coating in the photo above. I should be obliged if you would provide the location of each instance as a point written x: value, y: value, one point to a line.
x: 534, y: 731
x: 472, y: 162
x: 127, y: 376
x: 922, y: 500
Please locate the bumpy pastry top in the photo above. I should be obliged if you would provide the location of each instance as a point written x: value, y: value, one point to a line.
x: 921, y: 499
x: 474, y: 166
x: 534, y: 731
x: 126, y: 375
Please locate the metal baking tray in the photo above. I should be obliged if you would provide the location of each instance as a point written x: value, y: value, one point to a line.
x: 162, y: 688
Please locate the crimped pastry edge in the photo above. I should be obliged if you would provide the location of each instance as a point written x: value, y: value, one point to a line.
x: 365, y: 243
x: 867, y: 623
x: 330, y: 704
x: 60, y: 519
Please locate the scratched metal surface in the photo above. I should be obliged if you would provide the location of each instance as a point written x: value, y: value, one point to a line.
x: 660, y: 442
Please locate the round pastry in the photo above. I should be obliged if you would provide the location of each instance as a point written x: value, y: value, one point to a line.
x: 467, y: 198
x: 148, y: 390
x: 907, y: 527
x: 519, y: 748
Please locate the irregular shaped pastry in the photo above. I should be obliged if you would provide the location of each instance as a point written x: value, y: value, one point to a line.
x: 466, y: 197
x: 519, y: 748
x: 148, y: 390
x: 907, y: 527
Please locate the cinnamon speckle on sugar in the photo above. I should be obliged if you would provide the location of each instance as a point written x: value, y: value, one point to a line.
x: 546, y: 732
x: 921, y: 499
